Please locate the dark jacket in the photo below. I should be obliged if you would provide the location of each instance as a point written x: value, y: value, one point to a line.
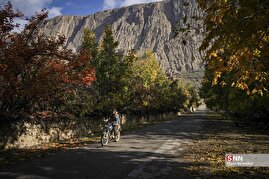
x: 116, y: 119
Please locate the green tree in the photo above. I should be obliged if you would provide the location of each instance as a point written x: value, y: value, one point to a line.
x: 89, y: 44
x: 171, y: 96
x: 106, y: 64
x: 112, y: 74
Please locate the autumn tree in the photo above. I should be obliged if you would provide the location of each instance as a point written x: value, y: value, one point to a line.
x: 146, y: 75
x: 135, y: 83
x: 35, y: 69
x: 153, y: 92
x: 80, y: 100
x: 236, y: 44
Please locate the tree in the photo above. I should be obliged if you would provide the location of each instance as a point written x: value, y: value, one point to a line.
x: 35, y: 69
x: 111, y: 70
x: 237, y: 55
x: 87, y: 53
x: 171, y: 96
x: 106, y: 64
x: 81, y: 100
x: 146, y: 74
x: 153, y: 91
x: 89, y: 44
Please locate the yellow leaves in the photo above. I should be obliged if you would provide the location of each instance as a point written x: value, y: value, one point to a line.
x: 252, y: 77
x: 217, y: 19
x: 246, y: 75
x: 266, y: 38
x: 241, y: 85
x: 257, y: 91
x: 147, y: 69
x: 217, y: 75
x: 242, y: 63
x: 263, y: 76
x: 239, y: 72
x: 257, y: 53
x: 214, y: 54
x: 244, y: 54
x: 214, y: 81
x: 145, y: 103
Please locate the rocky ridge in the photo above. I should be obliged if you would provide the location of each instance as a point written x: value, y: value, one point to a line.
x: 172, y: 29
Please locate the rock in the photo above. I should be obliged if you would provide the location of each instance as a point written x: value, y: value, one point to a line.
x: 142, y: 27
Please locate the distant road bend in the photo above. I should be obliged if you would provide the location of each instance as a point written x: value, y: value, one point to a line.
x: 151, y: 152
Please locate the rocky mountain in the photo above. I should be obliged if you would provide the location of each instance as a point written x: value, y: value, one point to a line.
x: 172, y: 29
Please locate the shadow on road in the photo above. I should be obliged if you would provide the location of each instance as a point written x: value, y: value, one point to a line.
x: 157, y: 151
x: 83, y: 163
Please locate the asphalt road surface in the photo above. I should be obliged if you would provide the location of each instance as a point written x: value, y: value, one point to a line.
x: 152, y: 152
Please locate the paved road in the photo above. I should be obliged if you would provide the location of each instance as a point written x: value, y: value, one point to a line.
x: 152, y: 152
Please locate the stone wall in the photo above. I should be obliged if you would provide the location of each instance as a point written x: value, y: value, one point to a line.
x: 32, y: 132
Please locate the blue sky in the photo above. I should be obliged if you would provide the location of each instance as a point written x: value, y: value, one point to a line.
x: 70, y: 7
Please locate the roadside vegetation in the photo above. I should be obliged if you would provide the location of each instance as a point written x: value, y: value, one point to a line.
x: 38, y: 74
x: 237, y: 78
x: 39, y: 78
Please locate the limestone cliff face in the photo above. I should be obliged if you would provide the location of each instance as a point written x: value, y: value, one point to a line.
x: 141, y: 27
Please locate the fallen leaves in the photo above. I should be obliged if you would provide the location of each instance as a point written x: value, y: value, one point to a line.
x: 206, y: 154
x: 18, y: 155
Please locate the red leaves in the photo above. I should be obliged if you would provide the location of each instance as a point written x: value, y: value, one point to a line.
x: 88, y: 76
x: 72, y: 73
x: 33, y: 67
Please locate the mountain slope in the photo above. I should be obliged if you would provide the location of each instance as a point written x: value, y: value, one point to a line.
x: 141, y: 27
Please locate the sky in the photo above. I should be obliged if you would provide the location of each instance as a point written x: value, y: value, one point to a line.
x: 70, y: 7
